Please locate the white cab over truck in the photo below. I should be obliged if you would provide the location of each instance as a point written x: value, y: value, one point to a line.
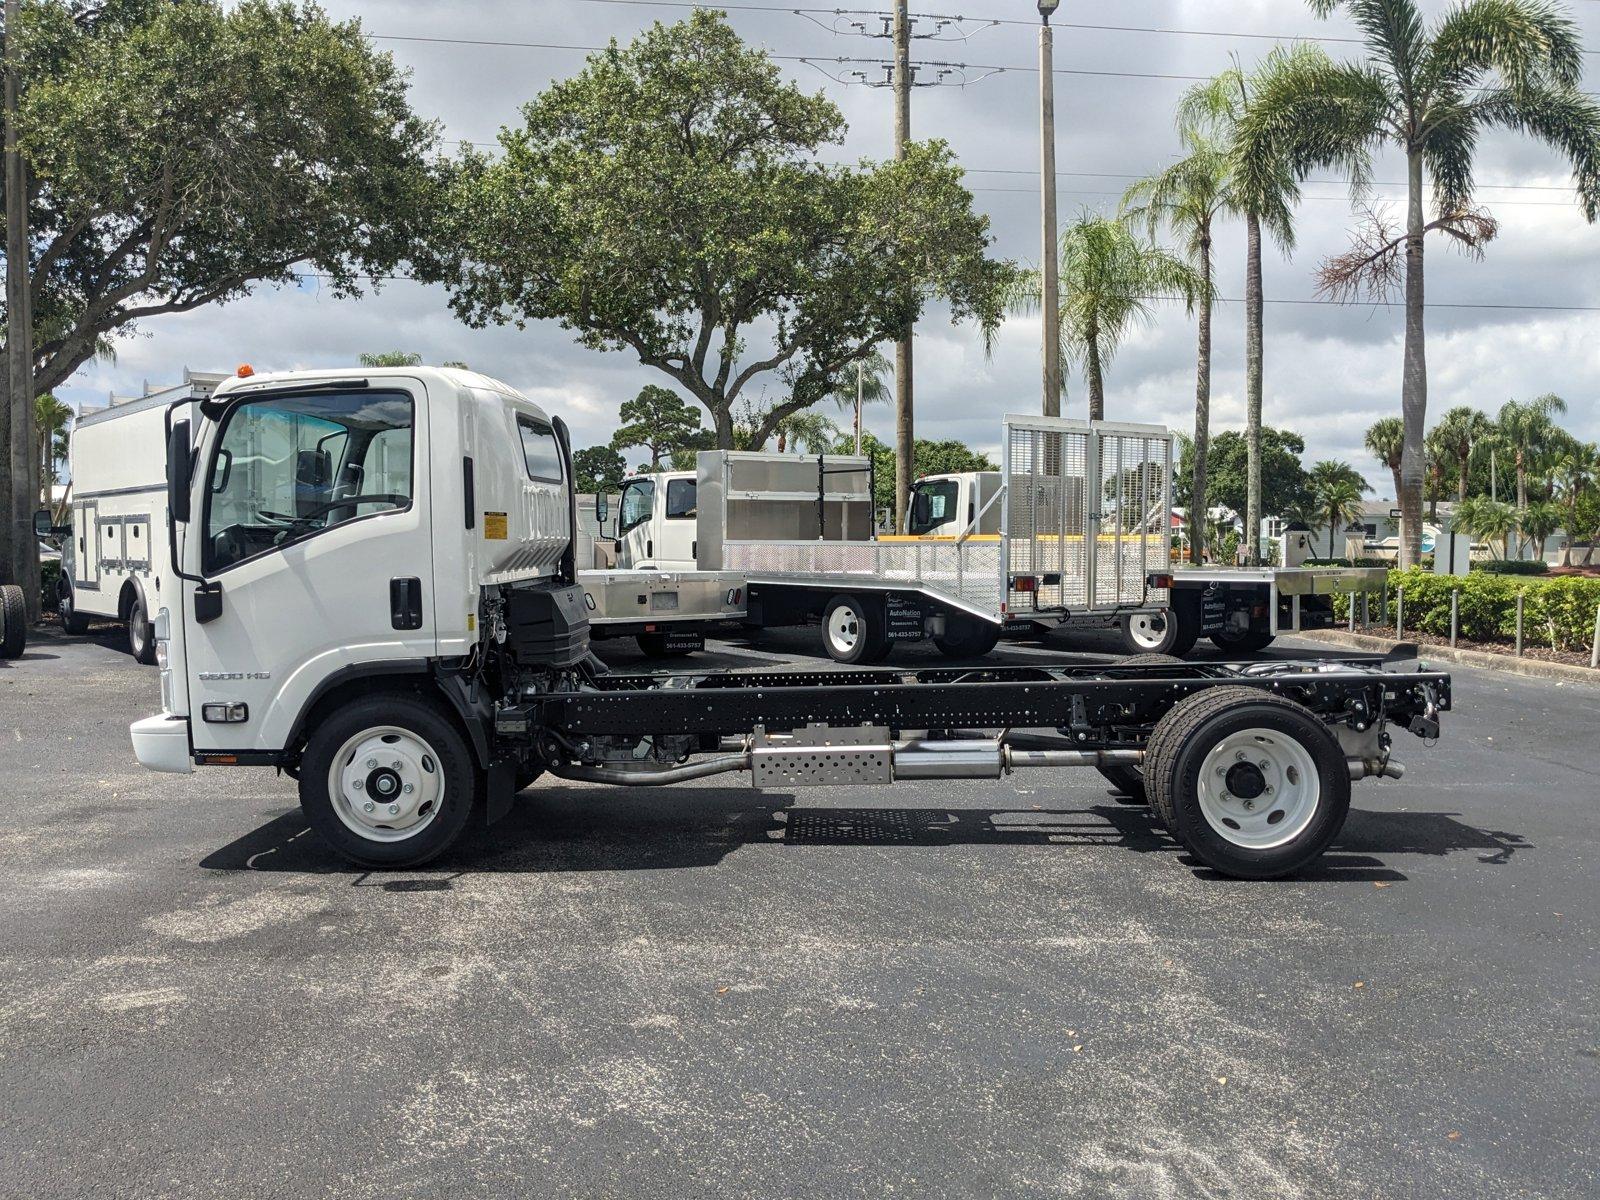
x: 407, y: 639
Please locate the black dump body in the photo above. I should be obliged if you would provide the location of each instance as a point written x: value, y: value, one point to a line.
x: 1098, y: 706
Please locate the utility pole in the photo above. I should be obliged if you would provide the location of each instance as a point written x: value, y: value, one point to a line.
x: 23, y: 560
x: 861, y: 385
x: 904, y: 448
x: 1049, y: 285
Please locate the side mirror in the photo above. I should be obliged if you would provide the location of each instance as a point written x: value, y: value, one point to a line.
x: 602, y: 507
x: 41, y: 523
x: 180, y: 471
x: 919, y: 508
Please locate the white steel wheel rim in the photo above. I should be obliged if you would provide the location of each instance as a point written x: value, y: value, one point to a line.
x: 1148, y: 630
x: 1259, y: 788
x: 386, y: 784
x: 844, y: 628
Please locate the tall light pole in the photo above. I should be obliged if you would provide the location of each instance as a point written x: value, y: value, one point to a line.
x: 904, y: 431
x: 1049, y: 284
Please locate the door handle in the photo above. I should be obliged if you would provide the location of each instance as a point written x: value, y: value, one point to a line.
x: 405, y: 603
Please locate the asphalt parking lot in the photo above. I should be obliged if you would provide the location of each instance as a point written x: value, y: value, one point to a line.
x: 974, y: 989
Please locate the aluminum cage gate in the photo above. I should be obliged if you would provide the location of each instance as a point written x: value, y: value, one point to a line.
x: 1109, y: 705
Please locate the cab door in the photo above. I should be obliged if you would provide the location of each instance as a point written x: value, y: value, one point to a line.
x: 636, y: 524
x: 678, y: 525
x: 311, y: 517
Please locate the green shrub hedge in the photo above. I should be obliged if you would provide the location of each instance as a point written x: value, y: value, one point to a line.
x: 1511, y: 566
x: 49, y: 575
x: 1558, y: 612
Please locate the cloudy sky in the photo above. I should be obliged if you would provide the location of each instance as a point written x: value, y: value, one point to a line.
x: 1331, y: 371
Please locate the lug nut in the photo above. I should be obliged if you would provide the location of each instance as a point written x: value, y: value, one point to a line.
x: 357, y: 784
x: 1249, y: 805
x: 367, y: 807
x: 406, y: 789
x: 394, y: 810
x: 372, y: 764
x: 1264, y: 765
x: 397, y: 764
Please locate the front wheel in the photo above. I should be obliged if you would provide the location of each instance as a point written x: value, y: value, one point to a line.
x: 853, y: 630
x: 1149, y: 633
x: 72, y: 621
x: 1252, y: 784
x: 389, y: 780
x: 141, y: 638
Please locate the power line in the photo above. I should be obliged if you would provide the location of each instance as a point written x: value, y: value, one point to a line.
x: 1339, y: 199
x: 809, y: 59
x: 1576, y: 308
x: 991, y: 21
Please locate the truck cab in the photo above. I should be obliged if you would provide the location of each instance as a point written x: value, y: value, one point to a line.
x: 656, y: 522
x: 946, y: 506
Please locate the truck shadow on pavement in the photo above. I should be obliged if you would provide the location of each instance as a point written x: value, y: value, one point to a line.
x: 555, y: 829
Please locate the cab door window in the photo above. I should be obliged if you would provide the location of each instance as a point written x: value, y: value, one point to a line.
x: 638, y: 497
x: 681, y: 500
x: 290, y: 467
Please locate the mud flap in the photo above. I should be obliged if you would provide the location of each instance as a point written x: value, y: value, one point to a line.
x: 502, y: 786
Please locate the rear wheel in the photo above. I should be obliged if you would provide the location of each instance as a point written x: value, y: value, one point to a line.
x: 141, y: 638
x: 853, y: 630
x: 1248, y: 642
x: 966, y: 637
x: 13, y: 621
x: 72, y: 621
x: 1129, y: 781
x: 389, y: 781
x: 1252, y: 784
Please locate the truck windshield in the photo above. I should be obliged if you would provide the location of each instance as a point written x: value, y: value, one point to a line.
x: 292, y: 466
x: 939, y: 507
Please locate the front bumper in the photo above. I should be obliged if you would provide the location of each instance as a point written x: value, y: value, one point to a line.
x: 161, y: 743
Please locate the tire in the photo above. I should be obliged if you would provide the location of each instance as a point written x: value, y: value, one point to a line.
x: 1248, y: 642
x: 1185, y: 611
x: 853, y: 631
x: 965, y: 637
x: 652, y: 645
x: 436, y: 762
x: 1282, y: 814
x: 1149, y: 633
x: 72, y: 621
x: 13, y: 621
x: 141, y: 637
x: 1129, y: 781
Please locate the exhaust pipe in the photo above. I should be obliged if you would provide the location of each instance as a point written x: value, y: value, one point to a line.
x: 1374, y: 768
x: 653, y: 776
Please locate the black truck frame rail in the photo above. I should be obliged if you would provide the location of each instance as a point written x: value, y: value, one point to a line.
x: 1098, y: 707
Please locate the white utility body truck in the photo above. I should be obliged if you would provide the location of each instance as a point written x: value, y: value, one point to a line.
x: 409, y: 641
x: 113, y: 550
x: 1241, y: 609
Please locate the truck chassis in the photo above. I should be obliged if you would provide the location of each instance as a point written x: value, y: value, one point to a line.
x: 1144, y: 725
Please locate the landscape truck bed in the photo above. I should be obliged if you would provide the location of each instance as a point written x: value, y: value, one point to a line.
x: 408, y: 640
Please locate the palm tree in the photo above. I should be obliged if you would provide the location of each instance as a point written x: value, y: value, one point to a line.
x: 868, y: 384
x: 1110, y: 280
x: 1337, y: 488
x: 1384, y: 440
x: 1488, y: 520
x: 1575, y: 473
x: 1189, y: 198
x: 1266, y: 199
x: 808, y: 430
x: 1430, y: 91
x: 1526, y: 431
x: 1459, y: 431
x: 50, y: 418
x: 1537, y: 522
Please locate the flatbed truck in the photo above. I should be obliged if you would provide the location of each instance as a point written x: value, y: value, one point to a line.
x: 412, y: 647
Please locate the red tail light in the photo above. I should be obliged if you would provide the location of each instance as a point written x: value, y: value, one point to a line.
x: 1024, y: 583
